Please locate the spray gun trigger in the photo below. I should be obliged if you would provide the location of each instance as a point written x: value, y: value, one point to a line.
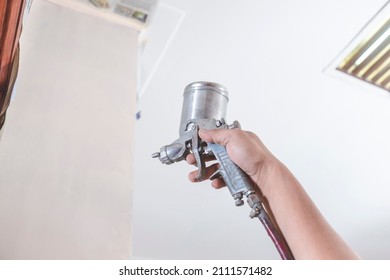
x: 216, y: 175
x: 196, y: 151
x: 201, y: 172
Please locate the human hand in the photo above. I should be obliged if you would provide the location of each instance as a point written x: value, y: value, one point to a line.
x: 308, y: 234
x: 244, y: 148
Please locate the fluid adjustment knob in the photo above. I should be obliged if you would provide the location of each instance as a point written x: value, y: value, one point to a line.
x: 238, y: 199
x: 235, y: 124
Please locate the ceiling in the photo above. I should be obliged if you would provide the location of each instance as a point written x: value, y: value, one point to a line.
x: 331, y: 131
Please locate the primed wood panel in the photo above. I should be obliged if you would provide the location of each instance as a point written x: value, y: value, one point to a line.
x: 65, y: 156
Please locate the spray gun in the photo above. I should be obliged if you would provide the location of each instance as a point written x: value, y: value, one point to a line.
x: 204, y: 107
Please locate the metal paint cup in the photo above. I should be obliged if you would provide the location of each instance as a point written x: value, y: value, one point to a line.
x: 203, y: 100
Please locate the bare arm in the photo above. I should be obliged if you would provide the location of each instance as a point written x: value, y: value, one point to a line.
x: 305, y: 229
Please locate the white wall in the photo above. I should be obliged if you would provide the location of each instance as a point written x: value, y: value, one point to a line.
x: 66, y: 152
x: 333, y: 134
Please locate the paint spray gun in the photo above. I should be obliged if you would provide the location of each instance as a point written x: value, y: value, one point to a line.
x: 204, y: 107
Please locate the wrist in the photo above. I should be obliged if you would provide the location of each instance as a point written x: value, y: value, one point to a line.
x: 269, y: 174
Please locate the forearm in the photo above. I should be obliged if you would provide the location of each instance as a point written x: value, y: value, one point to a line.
x: 304, y: 228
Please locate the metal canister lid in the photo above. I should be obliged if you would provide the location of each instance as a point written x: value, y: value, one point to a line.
x: 202, y: 85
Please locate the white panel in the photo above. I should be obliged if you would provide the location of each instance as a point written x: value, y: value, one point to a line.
x: 155, y: 42
x: 66, y: 152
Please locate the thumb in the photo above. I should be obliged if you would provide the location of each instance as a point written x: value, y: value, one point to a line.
x: 219, y: 136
